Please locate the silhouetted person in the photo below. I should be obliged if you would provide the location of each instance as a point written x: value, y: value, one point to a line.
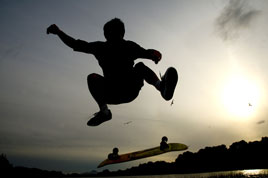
x: 114, y: 155
x: 163, y: 144
x: 122, y: 79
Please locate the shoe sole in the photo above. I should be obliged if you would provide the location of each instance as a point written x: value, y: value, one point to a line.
x: 171, y: 80
x: 95, y: 122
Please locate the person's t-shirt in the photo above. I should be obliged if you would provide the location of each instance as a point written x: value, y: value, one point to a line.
x: 115, y: 59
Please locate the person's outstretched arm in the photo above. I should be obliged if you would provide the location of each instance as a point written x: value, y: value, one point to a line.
x: 153, y: 54
x: 68, y: 40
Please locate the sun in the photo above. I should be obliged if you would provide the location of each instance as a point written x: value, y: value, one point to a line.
x: 241, y: 97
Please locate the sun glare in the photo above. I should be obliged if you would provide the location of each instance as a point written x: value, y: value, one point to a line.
x: 252, y: 172
x: 241, y: 97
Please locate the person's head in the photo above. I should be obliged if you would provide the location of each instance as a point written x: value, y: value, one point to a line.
x: 114, y: 30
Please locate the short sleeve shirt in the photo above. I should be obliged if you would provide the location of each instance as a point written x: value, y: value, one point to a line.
x: 115, y: 59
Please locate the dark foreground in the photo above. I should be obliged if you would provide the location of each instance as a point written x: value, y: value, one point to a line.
x: 239, y: 156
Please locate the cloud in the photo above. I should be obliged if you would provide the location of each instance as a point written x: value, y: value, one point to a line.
x: 236, y: 16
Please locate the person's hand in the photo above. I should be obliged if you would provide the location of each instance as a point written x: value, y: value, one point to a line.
x: 54, y: 29
x: 156, y: 55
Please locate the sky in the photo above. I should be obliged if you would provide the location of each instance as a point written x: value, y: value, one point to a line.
x: 219, y: 48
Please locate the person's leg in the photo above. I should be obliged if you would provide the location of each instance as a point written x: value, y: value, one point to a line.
x: 147, y: 74
x: 96, y: 86
x: 166, y: 85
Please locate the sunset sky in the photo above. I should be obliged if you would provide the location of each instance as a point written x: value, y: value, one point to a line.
x: 219, y: 48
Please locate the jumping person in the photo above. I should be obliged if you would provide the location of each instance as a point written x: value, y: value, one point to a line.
x: 122, y: 79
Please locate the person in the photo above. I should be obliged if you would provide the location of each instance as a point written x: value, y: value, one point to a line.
x: 163, y: 144
x: 114, y: 155
x: 122, y: 79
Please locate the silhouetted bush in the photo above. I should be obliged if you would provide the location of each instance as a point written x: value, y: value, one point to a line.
x: 240, y: 155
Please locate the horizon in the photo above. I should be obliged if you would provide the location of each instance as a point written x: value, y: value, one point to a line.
x: 221, y: 96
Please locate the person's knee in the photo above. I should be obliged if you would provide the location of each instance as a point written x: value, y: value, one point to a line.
x: 140, y: 67
x: 92, y: 78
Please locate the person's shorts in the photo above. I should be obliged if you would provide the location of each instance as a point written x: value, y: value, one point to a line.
x: 124, y: 90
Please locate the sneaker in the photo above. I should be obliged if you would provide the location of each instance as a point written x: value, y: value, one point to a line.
x: 168, y: 83
x: 99, y: 118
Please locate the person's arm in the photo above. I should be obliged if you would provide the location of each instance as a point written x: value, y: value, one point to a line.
x: 153, y: 54
x: 68, y: 40
x: 140, y: 52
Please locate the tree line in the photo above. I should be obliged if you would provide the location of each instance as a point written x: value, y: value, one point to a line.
x: 240, y: 155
